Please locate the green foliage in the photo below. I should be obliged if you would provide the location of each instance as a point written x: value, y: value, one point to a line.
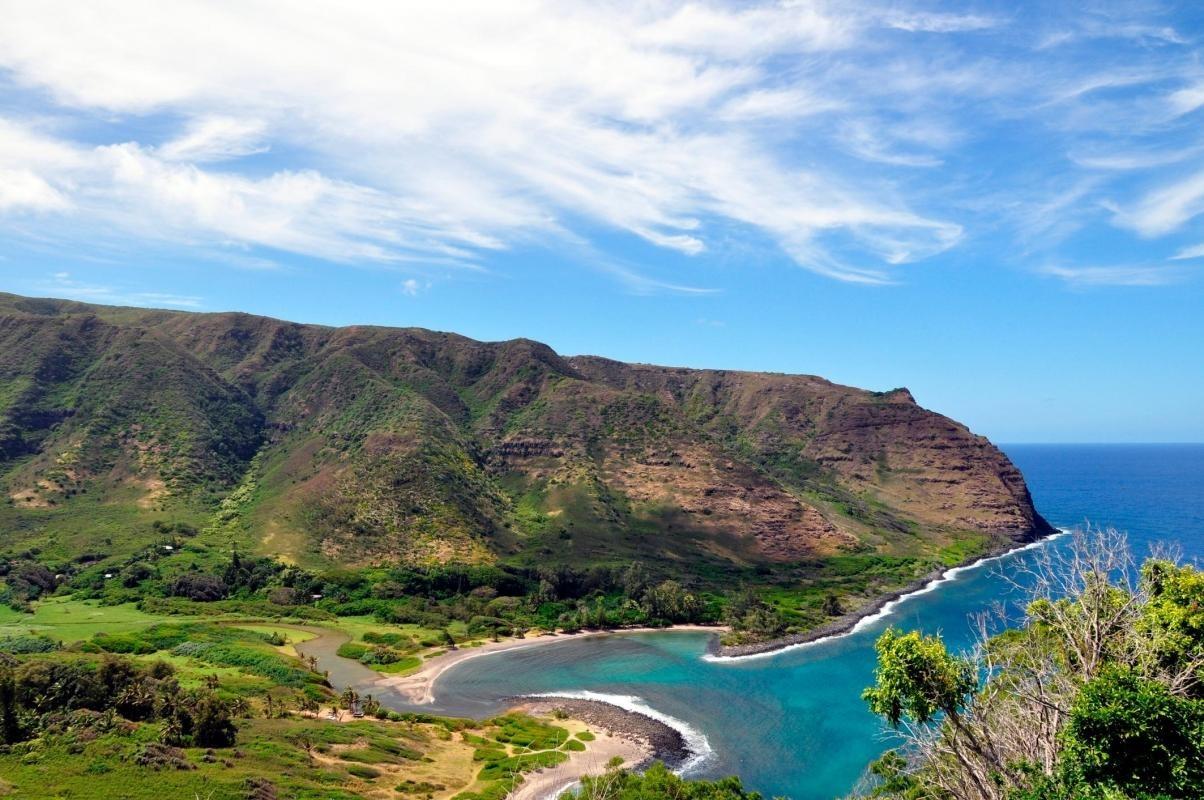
x: 25, y: 644
x: 917, y: 678
x: 890, y: 773
x: 658, y: 783
x: 1174, y: 615
x: 1095, y: 698
x: 1131, y: 734
x: 526, y: 732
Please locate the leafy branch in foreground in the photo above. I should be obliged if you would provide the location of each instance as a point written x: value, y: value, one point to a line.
x: 1097, y: 697
x: 658, y: 783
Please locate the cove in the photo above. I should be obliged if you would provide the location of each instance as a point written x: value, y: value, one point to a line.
x: 793, y: 723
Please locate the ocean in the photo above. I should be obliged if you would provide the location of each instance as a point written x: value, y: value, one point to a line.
x: 793, y: 724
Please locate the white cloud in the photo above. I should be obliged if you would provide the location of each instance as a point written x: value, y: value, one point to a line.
x: 927, y: 22
x: 442, y: 131
x: 1195, y: 251
x: 1186, y: 100
x: 1133, y: 159
x: 216, y: 139
x: 864, y: 142
x: 1167, y: 208
x: 63, y: 285
x: 384, y: 132
x: 1140, y: 275
x: 21, y: 189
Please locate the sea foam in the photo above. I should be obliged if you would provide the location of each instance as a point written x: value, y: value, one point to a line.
x: 889, y: 608
x: 696, y: 742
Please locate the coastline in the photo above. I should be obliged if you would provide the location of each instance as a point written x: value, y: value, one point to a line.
x: 419, y: 687
x: 635, y: 738
x: 876, y: 609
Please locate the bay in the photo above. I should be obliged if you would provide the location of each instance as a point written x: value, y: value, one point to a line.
x: 793, y: 724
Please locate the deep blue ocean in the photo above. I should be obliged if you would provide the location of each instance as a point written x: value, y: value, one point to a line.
x: 793, y: 724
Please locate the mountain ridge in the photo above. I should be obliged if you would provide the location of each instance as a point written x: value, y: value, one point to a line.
x: 368, y: 444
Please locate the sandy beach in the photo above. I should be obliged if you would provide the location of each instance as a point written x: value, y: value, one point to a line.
x: 633, y: 737
x: 549, y: 783
x: 419, y: 687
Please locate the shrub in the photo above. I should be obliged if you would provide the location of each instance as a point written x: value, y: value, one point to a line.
x: 24, y: 644
x: 199, y: 587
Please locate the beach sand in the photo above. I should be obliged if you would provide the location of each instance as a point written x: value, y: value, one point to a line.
x: 549, y: 783
x: 633, y: 737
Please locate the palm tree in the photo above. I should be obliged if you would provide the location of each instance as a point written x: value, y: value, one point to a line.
x: 239, y: 707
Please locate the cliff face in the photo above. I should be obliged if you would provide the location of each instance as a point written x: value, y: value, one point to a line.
x: 361, y: 445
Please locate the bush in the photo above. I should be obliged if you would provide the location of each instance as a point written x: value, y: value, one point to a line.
x: 126, y: 643
x: 352, y: 650
x: 390, y: 639
x: 24, y: 644
x: 199, y: 587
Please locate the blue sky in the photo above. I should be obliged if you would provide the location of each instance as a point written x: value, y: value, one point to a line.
x: 999, y: 206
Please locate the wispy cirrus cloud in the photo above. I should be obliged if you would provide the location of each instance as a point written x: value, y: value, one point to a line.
x: 1165, y: 208
x: 63, y: 284
x: 836, y: 133
x: 1194, y: 251
x: 1122, y: 275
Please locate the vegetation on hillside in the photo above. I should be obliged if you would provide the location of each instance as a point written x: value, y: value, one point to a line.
x: 180, y: 574
x: 111, y: 701
x: 368, y: 448
x: 1099, y: 696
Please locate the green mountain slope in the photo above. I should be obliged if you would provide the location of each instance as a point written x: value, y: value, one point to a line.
x: 365, y: 445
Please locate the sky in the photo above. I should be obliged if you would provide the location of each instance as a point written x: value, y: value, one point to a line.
x: 999, y: 206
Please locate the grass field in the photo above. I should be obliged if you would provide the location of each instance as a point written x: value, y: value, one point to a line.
x: 68, y: 620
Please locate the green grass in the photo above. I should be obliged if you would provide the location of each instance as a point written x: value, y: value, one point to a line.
x: 103, y: 768
x: 71, y: 620
x: 403, y: 666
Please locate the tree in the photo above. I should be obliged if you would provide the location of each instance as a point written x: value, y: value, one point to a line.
x: 199, y: 587
x: 1131, y: 734
x: 1094, y: 698
x: 671, y: 602
x: 212, y: 723
x: 917, y: 678
x: 11, y: 730
x: 1173, y: 619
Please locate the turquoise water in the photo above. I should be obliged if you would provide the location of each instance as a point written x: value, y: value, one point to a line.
x: 793, y: 724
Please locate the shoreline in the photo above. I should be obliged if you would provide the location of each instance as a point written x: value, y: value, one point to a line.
x: 419, y: 687
x: 629, y: 733
x: 876, y: 609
